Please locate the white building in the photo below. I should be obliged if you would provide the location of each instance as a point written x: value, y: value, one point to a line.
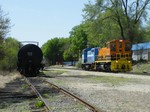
x: 141, y: 51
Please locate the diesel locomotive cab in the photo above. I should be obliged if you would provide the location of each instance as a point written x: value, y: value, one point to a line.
x: 121, y: 57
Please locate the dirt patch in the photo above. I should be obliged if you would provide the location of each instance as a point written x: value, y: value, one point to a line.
x: 15, y: 94
x: 7, y: 77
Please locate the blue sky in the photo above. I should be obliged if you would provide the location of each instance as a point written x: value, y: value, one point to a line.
x: 41, y: 20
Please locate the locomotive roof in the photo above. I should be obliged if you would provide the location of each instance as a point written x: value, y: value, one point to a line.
x: 118, y: 40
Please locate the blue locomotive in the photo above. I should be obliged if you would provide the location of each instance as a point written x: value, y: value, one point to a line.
x: 116, y: 56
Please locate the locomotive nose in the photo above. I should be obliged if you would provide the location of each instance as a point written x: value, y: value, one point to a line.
x: 123, y: 66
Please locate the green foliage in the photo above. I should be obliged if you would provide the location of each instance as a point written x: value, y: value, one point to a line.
x: 141, y: 67
x: 103, y: 21
x: 78, y: 39
x: 4, y: 29
x: 2, y: 52
x: 146, y: 33
x: 45, y: 95
x: 114, y: 19
x: 53, y: 50
x: 78, y: 64
x: 68, y: 55
x: 39, y: 104
x: 25, y: 87
x: 11, y: 47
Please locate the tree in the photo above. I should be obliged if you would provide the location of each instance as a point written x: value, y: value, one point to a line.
x: 53, y: 50
x: 98, y: 32
x: 11, y: 48
x: 127, y: 15
x: 78, y: 40
x: 4, y: 29
x: 147, y: 33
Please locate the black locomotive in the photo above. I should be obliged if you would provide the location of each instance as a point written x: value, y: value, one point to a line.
x: 29, y: 60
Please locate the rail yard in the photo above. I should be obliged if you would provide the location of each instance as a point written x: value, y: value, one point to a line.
x: 110, y: 92
x: 81, y: 56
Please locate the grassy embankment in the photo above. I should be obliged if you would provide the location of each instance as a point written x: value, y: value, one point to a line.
x: 141, y: 68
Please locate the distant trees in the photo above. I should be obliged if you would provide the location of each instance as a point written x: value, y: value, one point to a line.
x: 4, y: 28
x: 11, y: 48
x: 66, y: 49
x: 78, y: 41
x: 147, y: 33
x: 112, y: 16
x: 53, y: 50
x: 103, y: 21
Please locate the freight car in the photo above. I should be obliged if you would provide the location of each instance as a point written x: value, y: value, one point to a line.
x: 116, y: 57
x: 29, y: 60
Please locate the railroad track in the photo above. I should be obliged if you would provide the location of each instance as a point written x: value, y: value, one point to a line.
x: 53, y: 90
x: 17, y: 97
x: 88, y: 105
x: 46, y: 107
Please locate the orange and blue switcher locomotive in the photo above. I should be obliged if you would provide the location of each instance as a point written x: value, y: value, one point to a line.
x: 115, y: 57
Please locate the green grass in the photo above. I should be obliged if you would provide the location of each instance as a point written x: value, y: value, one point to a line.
x: 22, y: 106
x: 140, y: 68
x: 24, y: 86
x: 39, y: 104
x: 110, y: 80
x: 45, y: 95
x: 54, y: 72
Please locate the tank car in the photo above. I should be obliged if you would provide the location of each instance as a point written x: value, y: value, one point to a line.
x: 116, y: 56
x: 29, y: 60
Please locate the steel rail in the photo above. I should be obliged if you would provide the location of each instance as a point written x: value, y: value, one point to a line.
x: 94, y: 109
x: 47, y: 108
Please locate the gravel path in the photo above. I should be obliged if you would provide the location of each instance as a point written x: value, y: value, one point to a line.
x: 111, y: 92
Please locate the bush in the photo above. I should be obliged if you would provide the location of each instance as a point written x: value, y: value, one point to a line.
x: 78, y: 64
x: 9, y: 62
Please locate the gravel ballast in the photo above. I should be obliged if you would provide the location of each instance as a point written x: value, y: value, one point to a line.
x: 111, y: 92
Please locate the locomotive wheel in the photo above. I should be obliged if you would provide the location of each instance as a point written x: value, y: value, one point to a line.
x: 83, y: 67
x: 107, y: 67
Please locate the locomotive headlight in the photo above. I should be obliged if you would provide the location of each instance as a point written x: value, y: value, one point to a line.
x: 116, y: 61
x: 129, y: 61
x: 120, y: 40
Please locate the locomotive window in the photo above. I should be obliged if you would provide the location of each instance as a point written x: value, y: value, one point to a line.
x: 120, y: 45
x: 118, y: 55
x: 127, y: 46
x: 113, y: 46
